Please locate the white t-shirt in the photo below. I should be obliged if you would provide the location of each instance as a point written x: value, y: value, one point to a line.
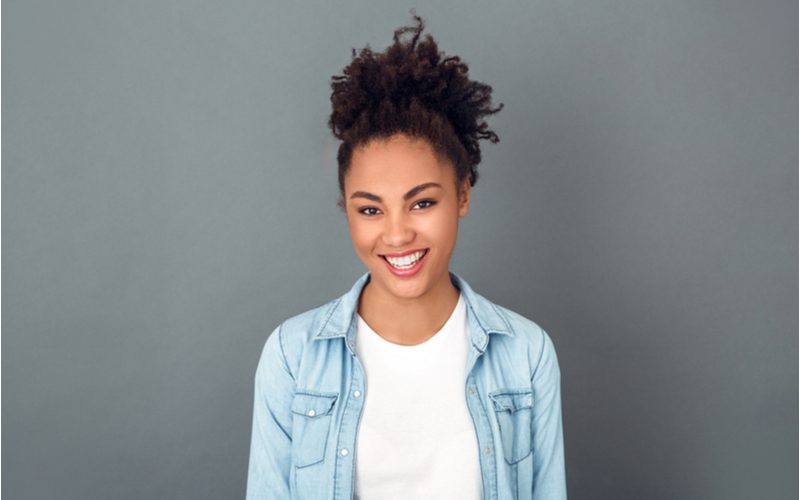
x: 416, y: 438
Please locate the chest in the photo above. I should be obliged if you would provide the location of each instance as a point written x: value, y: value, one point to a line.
x: 482, y: 400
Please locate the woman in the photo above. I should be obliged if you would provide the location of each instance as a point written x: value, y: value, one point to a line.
x: 411, y: 385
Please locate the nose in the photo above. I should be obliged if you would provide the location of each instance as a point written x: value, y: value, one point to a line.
x: 398, y: 231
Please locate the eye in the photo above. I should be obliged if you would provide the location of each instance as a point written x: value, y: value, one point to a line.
x: 372, y: 211
x: 366, y: 211
x: 426, y: 203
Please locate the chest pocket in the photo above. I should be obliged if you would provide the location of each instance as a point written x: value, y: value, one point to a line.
x: 513, y: 409
x: 313, y: 412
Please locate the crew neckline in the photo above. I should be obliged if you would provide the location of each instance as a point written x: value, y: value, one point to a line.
x: 434, y: 339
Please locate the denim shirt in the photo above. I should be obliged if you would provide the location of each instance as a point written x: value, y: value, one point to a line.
x: 310, y: 389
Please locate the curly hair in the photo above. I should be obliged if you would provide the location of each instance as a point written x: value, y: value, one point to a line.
x: 411, y: 88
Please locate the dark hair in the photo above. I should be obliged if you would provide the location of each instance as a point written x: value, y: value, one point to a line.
x: 411, y: 88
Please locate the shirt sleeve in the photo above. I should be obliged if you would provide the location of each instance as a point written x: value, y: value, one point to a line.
x: 271, y: 440
x: 549, y: 481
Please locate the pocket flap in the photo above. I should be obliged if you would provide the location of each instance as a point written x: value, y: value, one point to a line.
x: 313, y: 404
x: 512, y: 399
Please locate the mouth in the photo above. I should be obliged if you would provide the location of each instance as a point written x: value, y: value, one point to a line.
x: 407, y: 265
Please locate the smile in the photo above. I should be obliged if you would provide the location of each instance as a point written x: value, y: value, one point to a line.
x: 406, y: 262
x: 407, y: 265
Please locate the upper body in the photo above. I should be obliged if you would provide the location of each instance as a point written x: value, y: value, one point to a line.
x: 410, y: 348
x: 310, y: 391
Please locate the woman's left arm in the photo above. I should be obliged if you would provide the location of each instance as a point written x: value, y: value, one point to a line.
x: 549, y: 481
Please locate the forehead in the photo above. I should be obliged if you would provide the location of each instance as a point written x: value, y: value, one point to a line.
x: 395, y: 164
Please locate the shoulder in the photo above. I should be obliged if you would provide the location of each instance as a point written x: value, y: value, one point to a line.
x: 516, y: 331
x: 296, y: 332
x: 523, y: 328
x: 527, y: 336
x: 542, y: 351
x: 302, y: 327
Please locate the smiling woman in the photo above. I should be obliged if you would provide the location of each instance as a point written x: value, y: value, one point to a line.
x: 411, y: 384
x: 403, y: 209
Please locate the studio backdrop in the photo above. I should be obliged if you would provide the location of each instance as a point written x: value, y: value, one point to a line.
x: 169, y: 197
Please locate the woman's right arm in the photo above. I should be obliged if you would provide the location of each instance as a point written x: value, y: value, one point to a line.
x: 271, y: 440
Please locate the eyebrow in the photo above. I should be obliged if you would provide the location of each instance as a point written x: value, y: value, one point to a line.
x: 410, y: 194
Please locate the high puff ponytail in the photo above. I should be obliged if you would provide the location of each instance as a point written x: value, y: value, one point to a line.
x: 411, y: 88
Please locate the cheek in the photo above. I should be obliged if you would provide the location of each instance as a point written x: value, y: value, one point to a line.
x: 361, y: 235
x: 441, y: 228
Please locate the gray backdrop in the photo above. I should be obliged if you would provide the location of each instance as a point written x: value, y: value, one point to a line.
x: 169, y: 189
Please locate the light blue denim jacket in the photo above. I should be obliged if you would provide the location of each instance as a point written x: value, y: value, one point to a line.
x: 310, y: 389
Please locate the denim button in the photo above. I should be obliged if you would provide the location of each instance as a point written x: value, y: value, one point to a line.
x: 487, y: 450
x: 344, y: 452
x: 356, y: 394
x: 311, y: 413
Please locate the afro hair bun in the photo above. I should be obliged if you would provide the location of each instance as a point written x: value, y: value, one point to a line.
x: 411, y: 88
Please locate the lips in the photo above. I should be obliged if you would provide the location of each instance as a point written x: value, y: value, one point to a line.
x: 406, y: 272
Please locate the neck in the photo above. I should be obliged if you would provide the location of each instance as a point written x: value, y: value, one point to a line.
x: 408, y: 321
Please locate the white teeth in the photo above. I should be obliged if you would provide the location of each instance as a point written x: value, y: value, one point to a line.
x: 407, y: 261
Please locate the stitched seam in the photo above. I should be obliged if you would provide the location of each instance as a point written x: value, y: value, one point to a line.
x: 541, y: 354
x: 503, y: 317
x: 328, y: 316
x: 283, y: 354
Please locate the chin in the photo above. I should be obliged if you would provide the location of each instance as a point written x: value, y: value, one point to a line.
x: 404, y: 288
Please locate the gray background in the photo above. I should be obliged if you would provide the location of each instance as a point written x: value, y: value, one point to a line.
x: 169, y: 189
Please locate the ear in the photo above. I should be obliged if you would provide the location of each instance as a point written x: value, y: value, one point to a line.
x: 463, y: 202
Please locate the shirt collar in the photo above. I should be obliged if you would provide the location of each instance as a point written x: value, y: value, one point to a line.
x: 482, y: 315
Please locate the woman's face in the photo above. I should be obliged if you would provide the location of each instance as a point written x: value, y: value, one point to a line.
x: 400, y: 201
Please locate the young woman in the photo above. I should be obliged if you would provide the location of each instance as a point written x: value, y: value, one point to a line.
x: 411, y: 385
